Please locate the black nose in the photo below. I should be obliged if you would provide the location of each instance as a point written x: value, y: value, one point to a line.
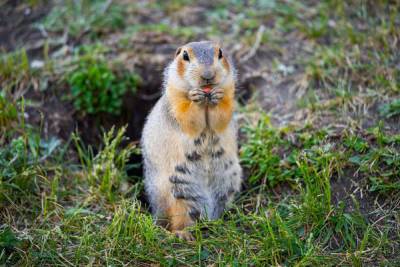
x: 208, y: 75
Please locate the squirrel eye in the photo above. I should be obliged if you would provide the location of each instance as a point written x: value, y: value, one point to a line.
x: 220, y: 54
x: 185, y: 56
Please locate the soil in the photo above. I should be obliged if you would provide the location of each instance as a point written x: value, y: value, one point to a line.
x: 17, y: 26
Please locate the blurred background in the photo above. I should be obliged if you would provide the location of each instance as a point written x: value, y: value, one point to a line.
x: 318, y: 106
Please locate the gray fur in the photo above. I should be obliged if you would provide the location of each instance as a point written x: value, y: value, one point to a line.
x: 204, y: 52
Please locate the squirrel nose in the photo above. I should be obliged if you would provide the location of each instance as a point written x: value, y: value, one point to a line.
x: 208, y: 75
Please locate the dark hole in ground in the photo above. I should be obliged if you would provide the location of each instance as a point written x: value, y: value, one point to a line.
x: 245, y: 90
x: 135, y: 109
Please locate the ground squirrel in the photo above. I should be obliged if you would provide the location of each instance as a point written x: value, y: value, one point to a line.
x: 189, y: 139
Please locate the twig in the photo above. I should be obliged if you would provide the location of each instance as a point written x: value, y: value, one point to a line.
x: 262, y: 188
x: 106, y: 6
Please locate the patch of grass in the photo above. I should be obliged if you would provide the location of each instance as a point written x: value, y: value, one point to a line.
x: 271, y: 237
x: 15, y: 71
x: 21, y: 166
x: 83, y: 16
x: 8, y: 114
x: 185, y: 33
x: 99, y: 222
x: 309, y: 160
x: 106, y: 172
x: 356, y: 47
x: 274, y: 153
x: 379, y: 162
x: 262, y: 158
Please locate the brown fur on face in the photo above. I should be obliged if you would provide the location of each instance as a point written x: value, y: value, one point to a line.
x: 226, y: 64
x: 181, y: 63
x: 181, y: 68
x: 224, y: 61
x: 190, y: 52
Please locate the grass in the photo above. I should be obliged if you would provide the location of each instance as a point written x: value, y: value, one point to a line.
x: 8, y: 113
x: 97, y: 17
x: 15, y: 71
x: 322, y: 183
x: 99, y: 221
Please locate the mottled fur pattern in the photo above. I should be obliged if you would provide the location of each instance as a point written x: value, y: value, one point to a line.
x: 189, y: 141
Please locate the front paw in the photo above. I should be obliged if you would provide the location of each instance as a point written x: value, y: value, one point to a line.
x: 216, y: 95
x: 197, y: 95
x: 184, y: 235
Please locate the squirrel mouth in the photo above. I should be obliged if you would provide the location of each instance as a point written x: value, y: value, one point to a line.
x: 207, y: 88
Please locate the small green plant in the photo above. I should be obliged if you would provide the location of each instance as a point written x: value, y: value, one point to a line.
x: 390, y: 109
x: 95, y: 88
x: 8, y: 112
x: 8, y: 242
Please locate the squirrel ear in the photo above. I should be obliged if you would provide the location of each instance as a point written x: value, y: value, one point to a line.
x: 178, y: 51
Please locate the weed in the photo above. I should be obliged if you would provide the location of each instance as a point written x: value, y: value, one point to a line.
x: 391, y: 109
x: 95, y: 88
x: 8, y: 242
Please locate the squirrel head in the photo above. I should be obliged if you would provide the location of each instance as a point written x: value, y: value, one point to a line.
x: 200, y: 65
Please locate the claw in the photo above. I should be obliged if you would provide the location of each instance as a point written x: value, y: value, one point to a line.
x: 185, y: 235
x: 216, y: 96
x: 197, y: 95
